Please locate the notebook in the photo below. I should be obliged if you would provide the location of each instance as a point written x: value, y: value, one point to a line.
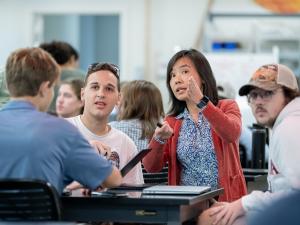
x: 135, y: 160
x: 177, y: 190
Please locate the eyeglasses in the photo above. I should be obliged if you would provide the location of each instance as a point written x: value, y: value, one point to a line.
x: 264, y: 95
x: 94, y: 67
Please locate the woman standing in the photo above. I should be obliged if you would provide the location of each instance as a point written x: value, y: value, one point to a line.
x: 199, y: 138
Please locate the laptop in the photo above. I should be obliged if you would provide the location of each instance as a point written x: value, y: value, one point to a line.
x: 176, y: 190
x: 135, y: 160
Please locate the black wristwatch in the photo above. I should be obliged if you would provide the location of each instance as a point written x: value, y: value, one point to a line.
x: 203, y: 102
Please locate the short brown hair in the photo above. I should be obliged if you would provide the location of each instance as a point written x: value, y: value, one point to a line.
x: 27, y: 69
x: 141, y: 100
x: 94, y: 67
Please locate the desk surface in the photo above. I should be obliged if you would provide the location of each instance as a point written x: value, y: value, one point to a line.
x: 137, y: 207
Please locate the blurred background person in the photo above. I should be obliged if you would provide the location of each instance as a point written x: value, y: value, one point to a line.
x: 68, y: 101
x: 67, y: 58
x: 140, y: 110
x: 194, y: 138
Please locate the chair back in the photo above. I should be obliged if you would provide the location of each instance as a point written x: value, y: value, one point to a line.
x: 156, y: 178
x: 28, y: 200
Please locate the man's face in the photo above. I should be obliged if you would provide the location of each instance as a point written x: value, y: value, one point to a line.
x: 100, y: 94
x: 266, y: 105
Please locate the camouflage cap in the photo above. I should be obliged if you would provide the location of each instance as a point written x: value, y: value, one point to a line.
x: 270, y: 77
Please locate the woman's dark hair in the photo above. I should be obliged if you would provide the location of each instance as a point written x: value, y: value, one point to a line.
x: 204, y: 70
x: 60, y: 51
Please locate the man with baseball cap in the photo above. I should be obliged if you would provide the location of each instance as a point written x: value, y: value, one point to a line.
x: 273, y: 96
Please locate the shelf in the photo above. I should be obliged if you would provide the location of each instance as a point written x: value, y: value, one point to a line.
x: 255, y: 36
x: 212, y: 16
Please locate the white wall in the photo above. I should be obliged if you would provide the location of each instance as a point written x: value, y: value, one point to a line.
x: 150, y: 29
x: 174, y: 24
x: 171, y: 23
x: 17, y: 20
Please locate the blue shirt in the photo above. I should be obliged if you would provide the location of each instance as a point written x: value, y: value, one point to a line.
x: 37, y: 145
x: 196, y: 152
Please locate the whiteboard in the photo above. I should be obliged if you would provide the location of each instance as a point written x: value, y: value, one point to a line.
x: 237, y: 68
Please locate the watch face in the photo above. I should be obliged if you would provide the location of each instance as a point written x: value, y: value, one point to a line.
x: 200, y: 105
x: 203, y: 102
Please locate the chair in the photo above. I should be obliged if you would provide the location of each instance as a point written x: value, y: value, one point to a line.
x: 28, y: 200
x: 243, y: 156
x: 156, y: 178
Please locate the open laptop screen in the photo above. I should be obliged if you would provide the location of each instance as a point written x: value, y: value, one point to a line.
x: 135, y: 160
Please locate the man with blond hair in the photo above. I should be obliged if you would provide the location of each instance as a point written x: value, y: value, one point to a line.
x: 34, y: 144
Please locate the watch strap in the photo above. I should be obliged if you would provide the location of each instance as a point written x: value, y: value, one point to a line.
x: 203, y: 102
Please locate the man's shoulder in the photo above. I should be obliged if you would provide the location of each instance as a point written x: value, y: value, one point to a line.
x: 60, y: 125
x: 289, y: 115
x: 73, y: 120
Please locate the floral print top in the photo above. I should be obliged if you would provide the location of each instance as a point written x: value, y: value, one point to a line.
x: 196, y: 153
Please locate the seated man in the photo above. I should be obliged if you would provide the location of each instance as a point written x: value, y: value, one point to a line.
x: 67, y: 58
x: 101, y: 92
x: 273, y: 96
x: 34, y: 144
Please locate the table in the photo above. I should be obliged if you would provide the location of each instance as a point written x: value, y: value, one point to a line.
x: 137, y: 207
